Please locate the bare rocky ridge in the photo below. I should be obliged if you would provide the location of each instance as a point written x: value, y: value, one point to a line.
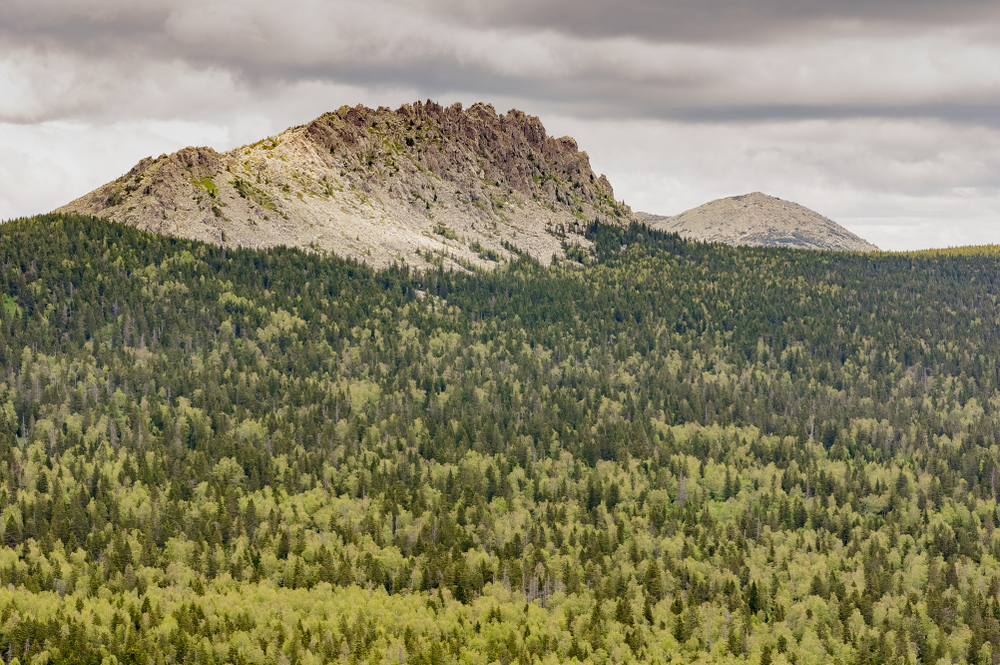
x: 421, y: 184
x: 759, y: 220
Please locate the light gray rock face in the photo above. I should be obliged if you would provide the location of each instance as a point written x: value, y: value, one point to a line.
x: 759, y: 220
x: 423, y: 184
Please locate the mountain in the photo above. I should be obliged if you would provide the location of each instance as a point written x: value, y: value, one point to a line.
x: 423, y: 183
x: 760, y: 220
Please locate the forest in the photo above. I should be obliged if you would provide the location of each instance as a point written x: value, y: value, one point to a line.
x: 660, y: 452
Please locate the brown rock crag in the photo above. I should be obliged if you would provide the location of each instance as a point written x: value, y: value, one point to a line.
x: 421, y: 184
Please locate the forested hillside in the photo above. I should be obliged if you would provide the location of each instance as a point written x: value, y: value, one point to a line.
x: 669, y: 452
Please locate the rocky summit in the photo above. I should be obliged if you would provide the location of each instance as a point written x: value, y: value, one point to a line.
x: 762, y: 221
x: 424, y: 184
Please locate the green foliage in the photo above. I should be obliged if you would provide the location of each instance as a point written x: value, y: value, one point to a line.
x: 575, y: 252
x: 255, y: 194
x: 10, y: 307
x: 207, y: 184
x: 676, y: 451
x: 442, y: 230
x: 485, y: 253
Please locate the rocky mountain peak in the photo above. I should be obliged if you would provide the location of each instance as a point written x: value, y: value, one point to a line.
x: 424, y: 183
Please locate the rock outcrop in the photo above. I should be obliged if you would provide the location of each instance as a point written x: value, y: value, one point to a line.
x: 760, y: 220
x: 421, y: 184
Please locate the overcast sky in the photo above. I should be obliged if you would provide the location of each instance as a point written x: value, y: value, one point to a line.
x: 883, y: 116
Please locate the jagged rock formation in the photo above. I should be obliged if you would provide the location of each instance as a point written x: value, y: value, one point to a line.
x: 762, y: 221
x: 422, y: 184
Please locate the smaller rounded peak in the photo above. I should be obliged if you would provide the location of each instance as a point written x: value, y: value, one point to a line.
x: 762, y: 220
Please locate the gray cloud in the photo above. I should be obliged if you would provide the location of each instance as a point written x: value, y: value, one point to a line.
x: 102, y: 23
x: 639, y: 58
x: 717, y: 20
x: 756, y: 72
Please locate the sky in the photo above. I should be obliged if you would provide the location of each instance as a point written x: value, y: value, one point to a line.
x: 883, y: 116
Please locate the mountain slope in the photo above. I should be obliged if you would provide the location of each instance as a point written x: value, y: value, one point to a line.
x: 762, y: 221
x: 422, y: 183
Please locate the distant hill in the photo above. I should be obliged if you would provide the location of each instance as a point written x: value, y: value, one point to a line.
x: 760, y: 220
x: 424, y: 183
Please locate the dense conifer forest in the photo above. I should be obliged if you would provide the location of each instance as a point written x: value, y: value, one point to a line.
x: 666, y: 452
